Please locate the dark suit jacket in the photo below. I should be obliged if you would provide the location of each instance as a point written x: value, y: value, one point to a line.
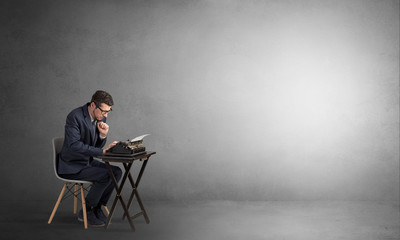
x: 81, y: 143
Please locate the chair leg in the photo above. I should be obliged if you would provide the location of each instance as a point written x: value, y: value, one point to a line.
x: 75, y: 197
x: 83, y: 206
x: 57, y: 203
x: 106, y: 209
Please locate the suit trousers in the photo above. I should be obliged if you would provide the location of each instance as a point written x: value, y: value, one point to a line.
x: 102, y: 186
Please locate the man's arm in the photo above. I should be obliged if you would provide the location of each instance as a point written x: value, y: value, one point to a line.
x: 73, y: 130
x: 103, y: 131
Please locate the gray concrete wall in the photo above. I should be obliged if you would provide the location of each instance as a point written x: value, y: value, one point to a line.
x: 244, y: 100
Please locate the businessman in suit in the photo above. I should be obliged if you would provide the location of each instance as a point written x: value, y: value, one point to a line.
x: 85, y: 136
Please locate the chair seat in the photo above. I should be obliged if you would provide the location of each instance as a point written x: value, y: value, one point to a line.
x: 73, y: 180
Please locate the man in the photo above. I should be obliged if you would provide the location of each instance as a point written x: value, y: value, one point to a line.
x: 85, y: 135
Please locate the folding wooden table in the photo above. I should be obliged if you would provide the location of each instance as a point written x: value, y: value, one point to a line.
x: 127, y: 161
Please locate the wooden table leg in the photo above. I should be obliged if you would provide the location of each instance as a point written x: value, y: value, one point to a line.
x: 118, y: 195
x: 135, y: 192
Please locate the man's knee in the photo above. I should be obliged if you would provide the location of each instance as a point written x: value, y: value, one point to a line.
x: 117, y: 172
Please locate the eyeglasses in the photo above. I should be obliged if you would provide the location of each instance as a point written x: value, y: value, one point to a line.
x: 102, y: 111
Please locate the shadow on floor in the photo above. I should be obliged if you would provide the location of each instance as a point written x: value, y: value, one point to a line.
x: 213, y: 220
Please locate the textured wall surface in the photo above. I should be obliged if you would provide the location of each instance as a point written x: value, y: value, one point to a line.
x: 244, y: 100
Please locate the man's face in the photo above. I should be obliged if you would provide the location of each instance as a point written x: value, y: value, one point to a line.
x: 101, y: 111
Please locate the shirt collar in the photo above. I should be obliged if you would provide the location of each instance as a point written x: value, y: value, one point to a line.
x: 91, y: 119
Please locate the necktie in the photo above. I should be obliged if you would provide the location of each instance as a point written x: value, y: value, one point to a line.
x: 94, y: 123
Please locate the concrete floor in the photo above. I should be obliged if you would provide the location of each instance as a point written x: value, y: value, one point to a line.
x: 213, y: 220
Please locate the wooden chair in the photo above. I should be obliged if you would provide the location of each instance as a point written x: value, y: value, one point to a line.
x: 70, y: 185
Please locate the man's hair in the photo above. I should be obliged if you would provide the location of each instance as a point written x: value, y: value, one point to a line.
x: 100, y: 97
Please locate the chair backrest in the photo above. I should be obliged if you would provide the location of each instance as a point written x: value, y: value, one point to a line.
x: 57, y: 146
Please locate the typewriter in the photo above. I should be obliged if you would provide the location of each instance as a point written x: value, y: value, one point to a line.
x: 129, y: 147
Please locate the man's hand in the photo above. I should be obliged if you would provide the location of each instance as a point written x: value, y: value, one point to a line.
x: 109, y: 146
x: 103, y: 128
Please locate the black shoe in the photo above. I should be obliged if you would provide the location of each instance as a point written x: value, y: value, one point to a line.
x: 91, y: 218
x: 99, y: 214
